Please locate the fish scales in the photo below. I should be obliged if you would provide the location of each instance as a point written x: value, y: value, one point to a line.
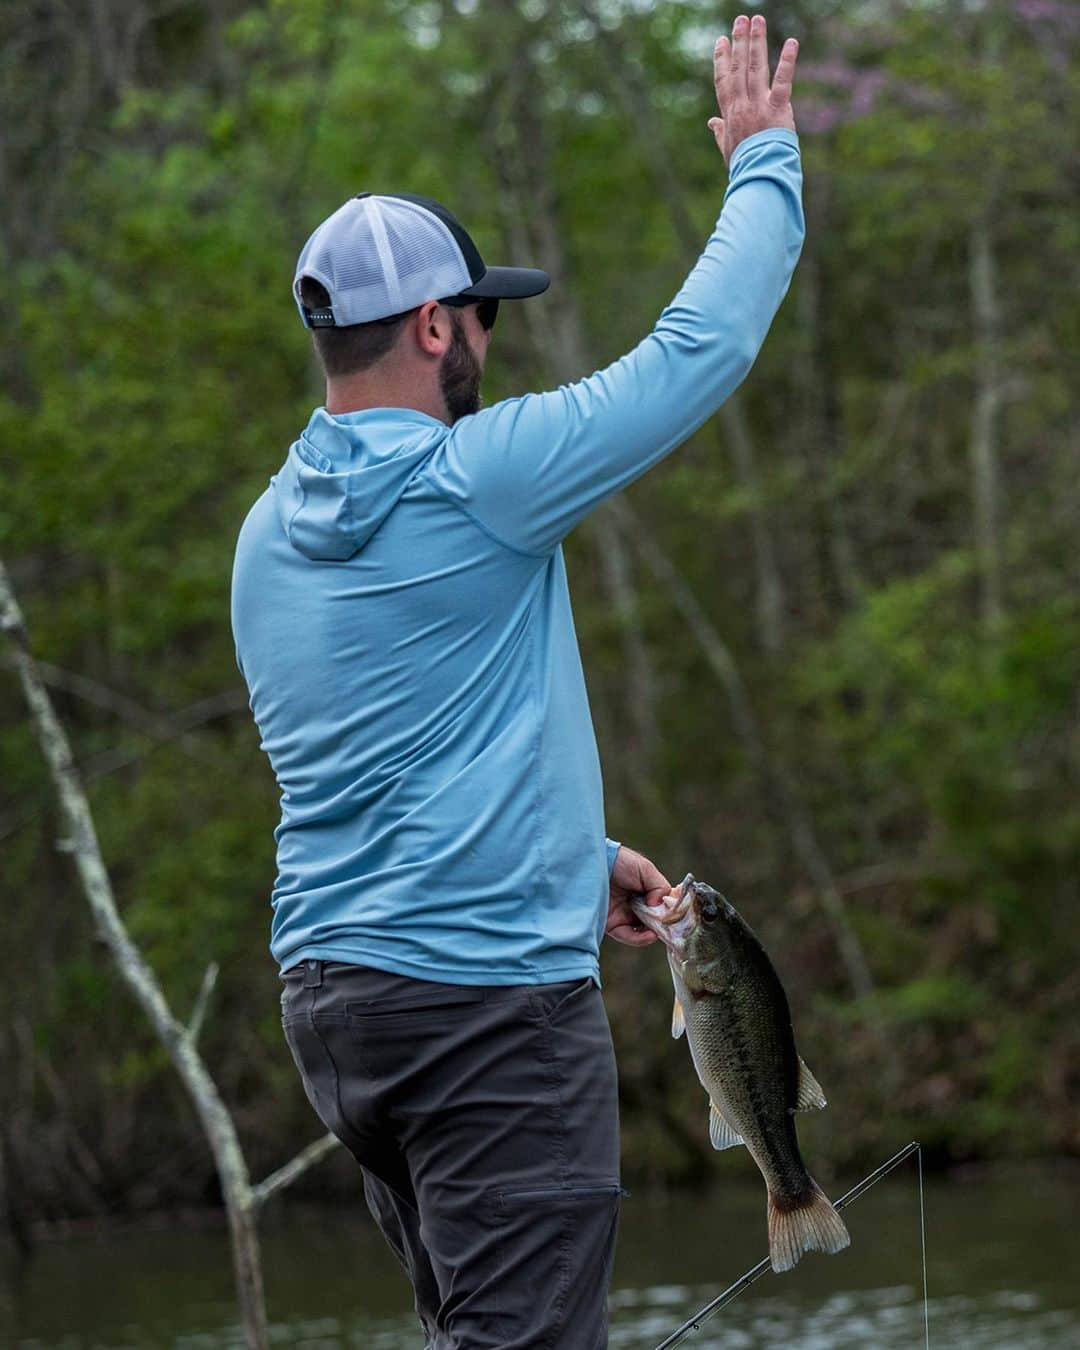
x: 730, y: 1002
x: 743, y: 1025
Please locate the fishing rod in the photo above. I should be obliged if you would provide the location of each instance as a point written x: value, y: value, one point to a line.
x: 745, y: 1281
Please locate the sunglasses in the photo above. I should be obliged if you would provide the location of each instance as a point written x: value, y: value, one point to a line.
x: 486, y: 309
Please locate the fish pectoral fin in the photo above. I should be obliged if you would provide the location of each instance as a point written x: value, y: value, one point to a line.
x: 678, y: 1020
x: 721, y: 1134
x: 808, y: 1095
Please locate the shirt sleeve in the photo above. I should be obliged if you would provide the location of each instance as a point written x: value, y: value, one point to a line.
x: 529, y: 469
x: 613, y: 847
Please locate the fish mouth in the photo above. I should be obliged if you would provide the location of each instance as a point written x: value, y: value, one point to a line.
x: 667, y: 919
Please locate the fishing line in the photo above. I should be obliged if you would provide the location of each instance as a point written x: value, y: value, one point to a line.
x: 744, y: 1282
x: 922, y: 1234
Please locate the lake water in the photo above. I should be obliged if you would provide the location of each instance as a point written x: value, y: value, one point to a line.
x: 1003, y: 1266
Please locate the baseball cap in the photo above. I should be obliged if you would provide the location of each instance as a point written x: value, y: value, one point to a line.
x: 379, y: 255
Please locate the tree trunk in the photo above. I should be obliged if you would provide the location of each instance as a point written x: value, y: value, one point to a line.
x: 982, y: 277
x: 824, y: 429
x: 629, y: 88
x: 986, y: 324
x: 565, y: 354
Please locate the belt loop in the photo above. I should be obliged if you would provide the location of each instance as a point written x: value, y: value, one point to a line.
x: 312, y: 974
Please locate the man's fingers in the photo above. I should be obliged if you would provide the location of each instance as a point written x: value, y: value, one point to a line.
x: 653, y: 880
x: 721, y: 67
x: 780, y: 93
x: 736, y: 82
x: 757, y: 65
x: 642, y: 938
x: 741, y: 73
x: 631, y: 936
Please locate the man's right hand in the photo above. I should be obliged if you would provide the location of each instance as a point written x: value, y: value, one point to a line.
x: 741, y: 77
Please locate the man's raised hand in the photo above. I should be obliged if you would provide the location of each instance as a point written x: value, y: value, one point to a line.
x: 741, y: 76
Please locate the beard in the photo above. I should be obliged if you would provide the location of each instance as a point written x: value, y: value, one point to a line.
x: 459, y: 374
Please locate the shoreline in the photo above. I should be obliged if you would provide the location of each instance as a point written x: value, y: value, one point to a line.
x: 207, y: 1218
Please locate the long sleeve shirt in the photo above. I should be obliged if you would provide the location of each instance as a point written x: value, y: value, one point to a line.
x: 402, y: 620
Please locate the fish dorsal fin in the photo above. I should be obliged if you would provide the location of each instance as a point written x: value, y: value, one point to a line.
x: 721, y: 1134
x: 808, y: 1095
x: 678, y: 1019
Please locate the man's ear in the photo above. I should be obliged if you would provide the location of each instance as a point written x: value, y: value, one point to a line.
x: 432, y: 329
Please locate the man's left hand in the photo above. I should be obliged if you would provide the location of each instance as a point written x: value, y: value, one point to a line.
x: 633, y: 875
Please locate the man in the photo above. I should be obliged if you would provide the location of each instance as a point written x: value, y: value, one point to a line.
x: 402, y: 619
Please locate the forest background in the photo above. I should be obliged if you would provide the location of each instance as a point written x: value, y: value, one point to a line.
x: 832, y: 644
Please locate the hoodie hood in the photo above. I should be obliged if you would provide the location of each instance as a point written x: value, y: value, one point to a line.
x: 346, y: 474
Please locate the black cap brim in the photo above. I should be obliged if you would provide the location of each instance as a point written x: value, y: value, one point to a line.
x: 509, y: 283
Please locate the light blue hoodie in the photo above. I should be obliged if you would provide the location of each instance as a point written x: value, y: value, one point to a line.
x: 403, y: 623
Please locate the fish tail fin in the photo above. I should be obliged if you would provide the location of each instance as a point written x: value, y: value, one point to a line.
x: 811, y: 1226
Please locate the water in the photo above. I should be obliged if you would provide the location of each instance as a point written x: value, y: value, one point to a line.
x: 1003, y: 1254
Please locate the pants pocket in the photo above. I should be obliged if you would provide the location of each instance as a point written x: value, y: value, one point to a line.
x: 319, y: 1076
x: 424, y: 998
x: 556, y: 999
x: 563, y: 1239
x: 547, y: 1196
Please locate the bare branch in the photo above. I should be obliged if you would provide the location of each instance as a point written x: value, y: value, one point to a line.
x: 202, y: 999
x: 164, y: 726
x: 713, y: 646
x: 771, y: 769
x: 284, y: 1176
x: 899, y: 873
x: 168, y: 728
x: 93, y: 691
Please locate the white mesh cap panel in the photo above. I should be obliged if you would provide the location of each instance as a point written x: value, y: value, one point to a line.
x: 429, y: 262
x: 379, y: 256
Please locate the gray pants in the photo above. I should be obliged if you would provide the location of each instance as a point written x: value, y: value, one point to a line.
x: 485, y: 1121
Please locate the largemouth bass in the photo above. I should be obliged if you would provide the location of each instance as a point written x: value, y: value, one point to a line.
x: 732, y: 1006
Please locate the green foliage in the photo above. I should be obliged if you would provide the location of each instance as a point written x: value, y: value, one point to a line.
x: 157, y: 373
x: 926, y: 1000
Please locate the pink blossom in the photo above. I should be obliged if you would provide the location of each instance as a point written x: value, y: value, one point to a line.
x: 1066, y: 16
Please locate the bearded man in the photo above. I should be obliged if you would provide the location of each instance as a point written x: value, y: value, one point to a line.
x: 403, y: 622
